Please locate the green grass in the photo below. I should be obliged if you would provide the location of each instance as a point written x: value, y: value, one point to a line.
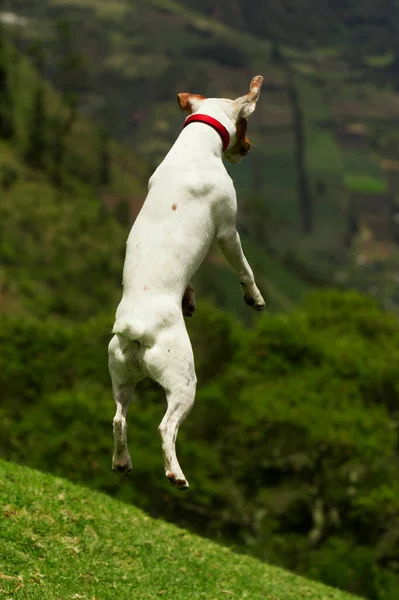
x: 379, y: 60
x: 59, y: 541
x: 362, y: 173
x: 324, y: 157
x: 363, y: 183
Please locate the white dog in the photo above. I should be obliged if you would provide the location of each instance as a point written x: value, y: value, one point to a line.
x: 191, y: 200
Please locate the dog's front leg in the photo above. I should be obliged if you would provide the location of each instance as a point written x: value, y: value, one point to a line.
x: 188, y: 302
x: 230, y: 244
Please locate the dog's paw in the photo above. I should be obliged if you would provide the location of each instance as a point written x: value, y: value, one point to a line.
x: 188, y: 310
x: 178, y: 481
x: 255, y: 304
x: 188, y: 301
x: 253, y: 297
x: 122, y: 467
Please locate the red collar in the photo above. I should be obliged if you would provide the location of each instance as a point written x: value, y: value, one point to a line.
x: 221, y: 129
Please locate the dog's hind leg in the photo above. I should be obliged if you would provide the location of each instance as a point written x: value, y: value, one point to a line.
x: 171, y: 363
x: 121, y: 461
x: 123, y: 383
x: 180, y: 401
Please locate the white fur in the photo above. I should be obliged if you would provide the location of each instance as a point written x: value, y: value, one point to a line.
x: 191, y: 200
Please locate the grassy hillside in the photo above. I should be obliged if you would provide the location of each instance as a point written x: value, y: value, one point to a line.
x: 61, y: 541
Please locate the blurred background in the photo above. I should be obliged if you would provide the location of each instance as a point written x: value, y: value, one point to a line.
x: 292, y: 448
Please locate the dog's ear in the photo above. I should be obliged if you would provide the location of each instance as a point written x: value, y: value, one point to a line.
x: 245, y: 105
x: 190, y: 102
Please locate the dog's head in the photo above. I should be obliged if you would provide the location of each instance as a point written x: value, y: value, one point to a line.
x: 233, y: 114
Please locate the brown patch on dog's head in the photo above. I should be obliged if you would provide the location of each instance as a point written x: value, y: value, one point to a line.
x: 189, y: 102
x: 242, y: 145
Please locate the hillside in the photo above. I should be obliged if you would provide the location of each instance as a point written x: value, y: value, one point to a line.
x: 63, y: 185
x: 291, y: 448
x: 67, y: 208
x: 62, y: 541
x: 319, y: 193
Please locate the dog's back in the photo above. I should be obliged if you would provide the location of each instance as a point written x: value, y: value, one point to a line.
x: 170, y: 238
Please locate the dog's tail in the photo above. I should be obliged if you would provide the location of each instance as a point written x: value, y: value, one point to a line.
x: 129, y: 329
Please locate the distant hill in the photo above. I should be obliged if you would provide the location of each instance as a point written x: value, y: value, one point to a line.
x: 67, y: 205
x: 324, y: 133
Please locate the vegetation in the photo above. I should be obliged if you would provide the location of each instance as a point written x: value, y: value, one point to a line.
x: 325, y: 132
x: 292, y: 448
x: 62, y: 541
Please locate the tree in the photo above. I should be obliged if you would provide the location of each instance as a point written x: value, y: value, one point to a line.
x: 7, y: 127
x: 104, y: 167
x: 62, y: 127
x: 36, y: 145
x: 36, y: 142
x: 71, y: 76
x: 304, y: 188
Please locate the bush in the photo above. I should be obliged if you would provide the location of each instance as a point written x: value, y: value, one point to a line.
x: 291, y: 448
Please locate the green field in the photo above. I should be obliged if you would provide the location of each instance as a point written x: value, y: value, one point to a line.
x: 60, y: 541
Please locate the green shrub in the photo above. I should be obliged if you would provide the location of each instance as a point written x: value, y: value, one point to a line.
x: 290, y: 450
